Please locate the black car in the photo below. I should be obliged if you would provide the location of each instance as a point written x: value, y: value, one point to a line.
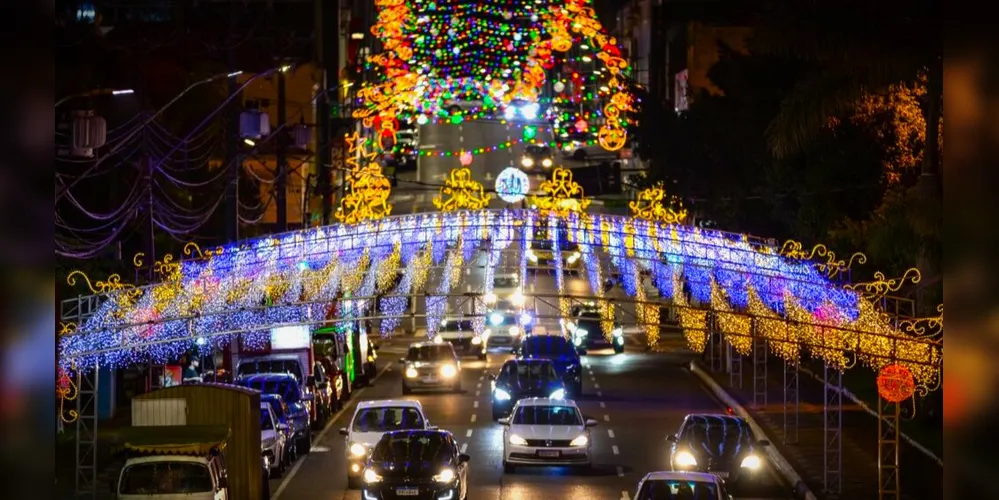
x: 524, y: 378
x: 720, y: 444
x: 587, y: 332
x: 419, y: 464
x: 286, y: 386
x: 563, y: 356
x: 537, y: 157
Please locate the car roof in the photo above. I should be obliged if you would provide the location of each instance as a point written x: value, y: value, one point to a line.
x: 277, y: 397
x: 547, y: 402
x: 264, y: 377
x: 528, y: 361
x: 380, y: 403
x: 718, y: 416
x: 418, y: 431
x: 680, y: 476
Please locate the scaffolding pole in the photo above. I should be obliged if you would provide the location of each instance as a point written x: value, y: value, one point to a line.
x: 889, y: 484
x: 735, y: 366
x: 86, y: 434
x: 833, y: 431
x: 759, y: 371
x: 790, y: 402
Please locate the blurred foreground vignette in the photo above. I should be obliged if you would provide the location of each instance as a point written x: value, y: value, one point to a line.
x: 971, y: 94
x: 27, y: 328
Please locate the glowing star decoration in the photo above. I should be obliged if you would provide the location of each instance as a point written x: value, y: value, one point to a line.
x: 512, y: 185
x: 461, y: 192
x: 564, y: 195
x: 649, y: 206
x: 367, y: 196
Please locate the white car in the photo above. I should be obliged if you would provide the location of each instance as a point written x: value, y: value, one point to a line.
x: 506, y: 287
x: 544, y: 431
x: 371, y: 420
x: 460, y: 333
x: 272, y: 441
x: 656, y: 485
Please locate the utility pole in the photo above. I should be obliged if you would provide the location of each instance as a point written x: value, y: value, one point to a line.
x: 327, y: 61
x: 281, y: 183
x: 233, y: 157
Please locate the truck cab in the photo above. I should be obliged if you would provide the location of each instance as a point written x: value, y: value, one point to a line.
x: 167, y: 467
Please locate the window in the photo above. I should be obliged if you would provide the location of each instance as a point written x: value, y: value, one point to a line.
x: 388, y: 418
x: 429, y: 353
x: 166, y: 478
x: 271, y: 366
x: 506, y: 282
x: 286, y: 388
x: 458, y: 326
x: 547, y: 415
x: 266, y: 424
x: 277, y: 408
x: 529, y: 370
x: 680, y: 490
x: 414, y: 447
x: 715, y: 431
x: 548, y: 345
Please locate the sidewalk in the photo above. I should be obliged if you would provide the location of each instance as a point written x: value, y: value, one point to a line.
x: 921, y: 477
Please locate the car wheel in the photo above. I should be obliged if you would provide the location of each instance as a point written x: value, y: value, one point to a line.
x: 482, y: 356
x: 585, y: 468
x: 353, y: 483
x: 508, y: 468
x: 277, y: 471
x: 304, y: 444
x: 618, y: 349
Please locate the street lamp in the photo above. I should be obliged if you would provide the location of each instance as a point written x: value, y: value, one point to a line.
x: 156, y: 115
x: 94, y: 92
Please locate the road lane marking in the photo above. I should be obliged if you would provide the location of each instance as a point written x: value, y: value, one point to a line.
x: 606, y: 418
x: 620, y: 471
x: 615, y: 450
x: 603, y: 405
x: 625, y: 495
x: 469, y: 433
x: 610, y: 432
x: 479, y: 385
x: 473, y: 418
x: 596, y: 386
x: 476, y: 393
x: 329, y: 424
x: 475, y: 404
x: 464, y: 447
x: 600, y: 394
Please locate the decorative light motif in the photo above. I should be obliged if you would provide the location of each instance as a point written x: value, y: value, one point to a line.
x: 564, y: 195
x: 461, y: 192
x: 649, y: 206
x: 736, y: 328
x: 368, y: 190
x: 512, y: 185
x: 895, y: 383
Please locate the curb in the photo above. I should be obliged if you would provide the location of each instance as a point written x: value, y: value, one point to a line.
x: 773, y: 454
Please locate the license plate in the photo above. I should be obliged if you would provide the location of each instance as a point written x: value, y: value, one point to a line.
x: 430, y: 380
x: 407, y: 492
x: 723, y: 475
x: 548, y: 453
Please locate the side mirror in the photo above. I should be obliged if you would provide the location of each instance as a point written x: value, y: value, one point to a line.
x: 504, y: 421
x: 281, y: 427
x: 223, y: 482
x: 343, y: 431
x: 672, y: 438
x: 763, y: 443
x: 463, y: 458
x: 402, y: 361
x: 432, y: 428
x: 591, y: 422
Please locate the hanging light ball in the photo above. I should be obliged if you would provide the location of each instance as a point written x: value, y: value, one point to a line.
x: 465, y: 158
x: 559, y: 86
x: 580, y: 125
x: 895, y: 383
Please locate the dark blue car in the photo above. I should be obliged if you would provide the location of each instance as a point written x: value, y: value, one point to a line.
x: 524, y: 378
x: 563, y: 356
x: 286, y: 386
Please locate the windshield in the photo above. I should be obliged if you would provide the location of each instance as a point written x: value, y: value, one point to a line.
x: 714, y: 431
x: 529, y: 370
x: 286, y: 388
x: 505, y: 282
x: 458, y: 326
x: 165, y: 478
x: 388, y: 418
x: 672, y: 489
x: 547, y: 415
x: 275, y: 407
x: 428, y: 353
x: 271, y: 366
x: 265, y: 420
x: 412, y: 447
x: 548, y: 346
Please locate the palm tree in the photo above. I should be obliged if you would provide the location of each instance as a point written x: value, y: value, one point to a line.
x: 857, y: 47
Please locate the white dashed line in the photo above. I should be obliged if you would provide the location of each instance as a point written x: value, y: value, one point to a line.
x: 596, y: 386
x: 610, y: 432
x: 469, y: 433
x: 603, y: 405
x: 464, y: 447
x: 606, y: 418
x: 600, y: 394
x: 615, y: 450
x: 620, y: 471
x: 625, y: 495
x: 476, y: 393
x: 475, y: 404
x: 473, y: 417
x: 479, y: 385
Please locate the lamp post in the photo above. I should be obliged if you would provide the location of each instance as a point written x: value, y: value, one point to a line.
x: 146, y: 122
x: 94, y: 92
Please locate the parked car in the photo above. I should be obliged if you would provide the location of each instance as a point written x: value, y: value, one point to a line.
x: 272, y: 442
x: 282, y: 414
x: 543, y: 431
x: 524, y: 378
x: 563, y: 356
x: 431, y: 365
x: 371, y: 420
x: 286, y: 386
x: 416, y: 464
x: 721, y: 444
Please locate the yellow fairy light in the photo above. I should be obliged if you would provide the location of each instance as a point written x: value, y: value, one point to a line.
x: 564, y: 195
x: 607, y: 318
x: 693, y: 322
x: 367, y: 196
x: 422, y: 271
x: 649, y: 206
x: 314, y: 281
x: 819, y: 335
x: 882, y: 285
x: 388, y: 269
x: 351, y: 280
x: 461, y: 192
x: 879, y: 344
x: 780, y: 336
x: 648, y: 314
x: 735, y: 327
x: 456, y: 262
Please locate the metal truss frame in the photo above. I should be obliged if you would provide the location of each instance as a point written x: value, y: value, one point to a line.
x: 833, y: 431
x: 889, y: 481
x: 791, y: 403
x: 734, y: 366
x: 760, y: 359
x: 86, y: 433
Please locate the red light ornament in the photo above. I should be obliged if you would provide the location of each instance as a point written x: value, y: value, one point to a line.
x: 895, y: 383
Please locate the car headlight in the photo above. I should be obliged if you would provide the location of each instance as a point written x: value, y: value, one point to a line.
x: 752, y: 462
x: 557, y: 394
x: 581, y: 440
x: 530, y: 111
x: 525, y: 319
x: 517, y: 440
x: 617, y: 332
x: 514, y: 331
x: 411, y: 372
x: 496, y: 319
x: 448, y: 371
x: 446, y: 476
x: 489, y: 298
x: 684, y: 459
x: 517, y: 298
x: 547, y: 162
x: 476, y: 340
x: 570, y: 326
x: 357, y: 450
x: 501, y: 395
x: 526, y: 162
x: 438, y: 339
x: 371, y: 476
x: 578, y: 341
